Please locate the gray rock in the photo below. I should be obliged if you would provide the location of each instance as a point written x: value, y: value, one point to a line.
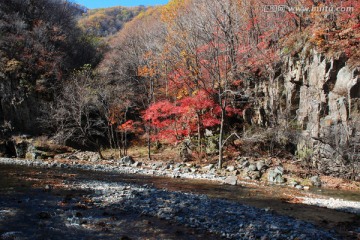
x: 137, y: 164
x: 208, y: 133
x: 252, y: 167
x: 280, y: 179
x: 245, y: 164
x: 94, y: 158
x: 230, y: 168
x: 254, y: 175
x: 231, y: 180
x: 279, y: 170
x: 275, y: 175
x: 260, y: 165
x: 209, y: 167
x: 235, y: 173
x: 315, y: 181
x: 127, y: 160
x: 293, y: 183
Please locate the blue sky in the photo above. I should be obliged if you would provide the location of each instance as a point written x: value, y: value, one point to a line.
x: 112, y: 3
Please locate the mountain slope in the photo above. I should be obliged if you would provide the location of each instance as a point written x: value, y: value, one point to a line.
x: 107, y: 21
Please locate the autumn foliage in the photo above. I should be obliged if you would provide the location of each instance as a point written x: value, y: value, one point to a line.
x: 184, y: 118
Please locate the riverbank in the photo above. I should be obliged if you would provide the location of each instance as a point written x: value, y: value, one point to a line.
x: 189, y: 171
x: 76, y: 203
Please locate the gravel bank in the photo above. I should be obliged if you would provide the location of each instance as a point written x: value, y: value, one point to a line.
x: 122, y: 169
x: 338, y: 204
x: 228, y: 219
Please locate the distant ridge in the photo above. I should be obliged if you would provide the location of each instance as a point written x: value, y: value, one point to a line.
x: 105, y: 22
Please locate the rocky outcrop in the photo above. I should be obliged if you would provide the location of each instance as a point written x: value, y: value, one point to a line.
x: 319, y: 97
x: 21, y: 107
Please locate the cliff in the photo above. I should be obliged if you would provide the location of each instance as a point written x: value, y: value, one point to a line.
x: 319, y: 98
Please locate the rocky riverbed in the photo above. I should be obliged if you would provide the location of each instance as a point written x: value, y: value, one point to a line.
x: 227, y: 219
x: 72, y: 205
x: 189, y: 171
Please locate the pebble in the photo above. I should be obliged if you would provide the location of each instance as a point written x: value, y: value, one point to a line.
x: 225, y: 218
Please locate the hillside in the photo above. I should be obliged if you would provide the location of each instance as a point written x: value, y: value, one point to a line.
x: 107, y: 21
x: 40, y: 46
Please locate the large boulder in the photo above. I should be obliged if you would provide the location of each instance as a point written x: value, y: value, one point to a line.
x: 231, y: 180
x: 276, y: 175
x: 315, y: 181
x: 127, y: 160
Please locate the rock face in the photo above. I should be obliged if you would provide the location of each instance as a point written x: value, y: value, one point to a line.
x: 320, y: 97
x: 21, y: 109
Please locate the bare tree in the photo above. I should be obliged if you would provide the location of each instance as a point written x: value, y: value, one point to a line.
x: 76, y: 114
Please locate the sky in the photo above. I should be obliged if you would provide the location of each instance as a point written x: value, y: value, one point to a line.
x: 111, y: 3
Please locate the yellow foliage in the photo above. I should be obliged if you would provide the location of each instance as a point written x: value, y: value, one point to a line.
x: 13, y: 65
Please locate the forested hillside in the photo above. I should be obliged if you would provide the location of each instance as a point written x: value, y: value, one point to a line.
x: 107, y: 21
x: 214, y: 78
x: 39, y: 46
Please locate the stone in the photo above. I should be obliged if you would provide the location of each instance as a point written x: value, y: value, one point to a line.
x: 260, y: 165
x: 230, y: 168
x: 252, y: 167
x: 279, y: 170
x: 137, y: 164
x: 315, y: 181
x: 280, y: 179
x: 209, y: 167
x: 208, y: 133
x: 127, y: 160
x: 231, y: 180
x: 254, y: 175
x: 245, y: 164
x: 299, y: 187
x: 94, y: 158
x: 193, y: 170
x: 293, y: 183
x: 275, y: 176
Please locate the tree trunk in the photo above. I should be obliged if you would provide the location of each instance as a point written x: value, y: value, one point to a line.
x: 221, y: 136
x: 199, y: 134
x: 148, y: 142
